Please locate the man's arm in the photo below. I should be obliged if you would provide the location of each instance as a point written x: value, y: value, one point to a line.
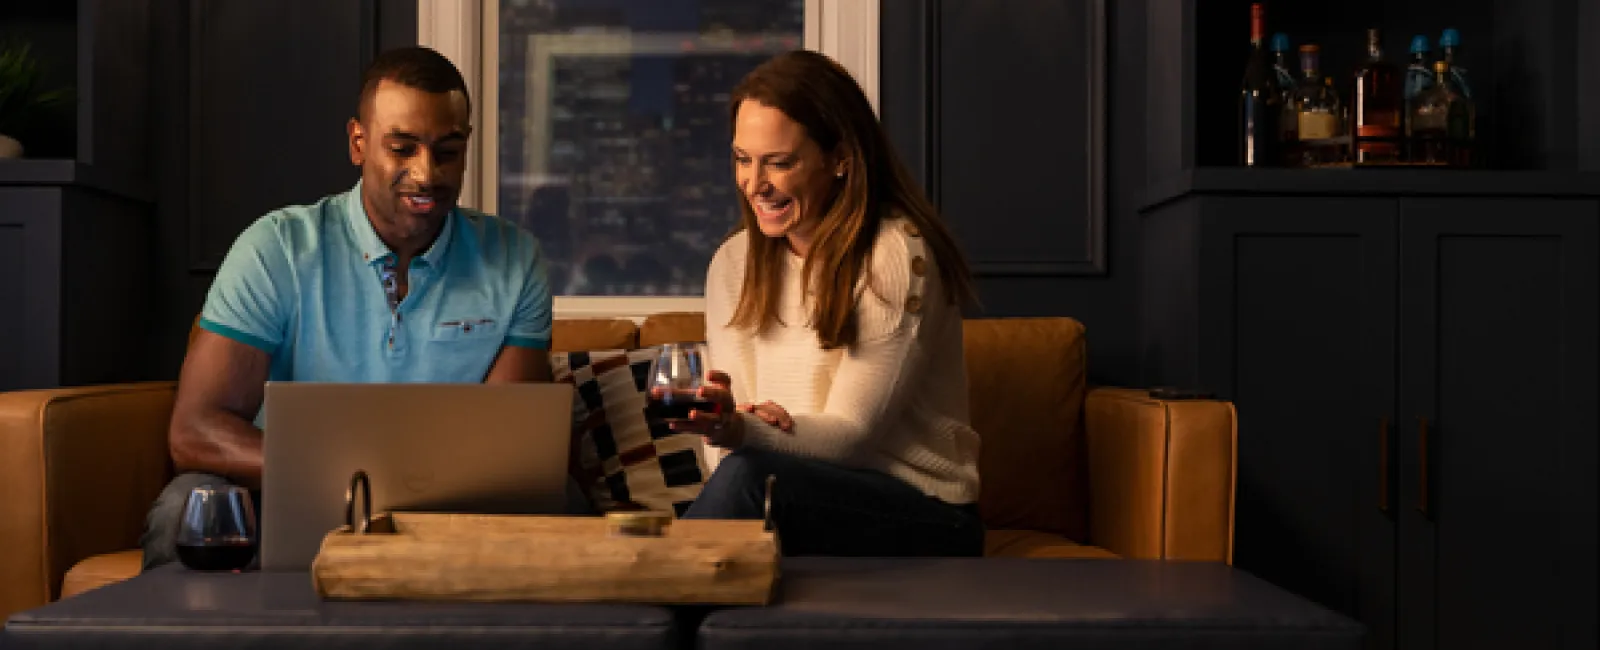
x: 525, y: 354
x: 519, y: 364
x: 219, y: 393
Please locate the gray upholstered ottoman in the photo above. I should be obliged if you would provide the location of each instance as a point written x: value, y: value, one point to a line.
x: 175, y: 608
x: 1015, y: 604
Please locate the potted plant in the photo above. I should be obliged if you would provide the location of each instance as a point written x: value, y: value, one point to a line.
x: 23, y: 101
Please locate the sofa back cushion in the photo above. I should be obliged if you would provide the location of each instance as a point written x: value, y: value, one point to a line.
x: 1027, y: 380
x: 577, y: 334
x: 675, y: 327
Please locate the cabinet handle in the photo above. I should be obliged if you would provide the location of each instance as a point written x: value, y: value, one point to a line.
x: 1383, y: 464
x: 1422, y: 473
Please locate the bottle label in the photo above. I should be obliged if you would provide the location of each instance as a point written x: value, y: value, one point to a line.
x: 1315, y: 125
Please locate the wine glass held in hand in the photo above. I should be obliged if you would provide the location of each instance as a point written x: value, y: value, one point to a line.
x: 218, y: 531
x: 676, y: 375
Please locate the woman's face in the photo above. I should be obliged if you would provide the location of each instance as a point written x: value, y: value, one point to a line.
x: 781, y: 171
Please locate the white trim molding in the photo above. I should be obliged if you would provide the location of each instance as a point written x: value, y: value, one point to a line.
x: 467, y: 32
x: 847, y: 31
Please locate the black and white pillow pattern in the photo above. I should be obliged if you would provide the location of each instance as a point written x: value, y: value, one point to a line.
x: 623, y: 460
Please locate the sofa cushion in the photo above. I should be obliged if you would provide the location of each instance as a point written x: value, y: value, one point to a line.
x: 1027, y: 381
x: 1032, y: 543
x: 100, y: 570
x: 672, y: 327
x: 570, y: 334
x: 623, y: 460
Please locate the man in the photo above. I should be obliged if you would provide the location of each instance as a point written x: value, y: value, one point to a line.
x: 388, y: 282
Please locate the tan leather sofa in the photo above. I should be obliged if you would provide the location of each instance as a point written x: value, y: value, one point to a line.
x: 1068, y: 471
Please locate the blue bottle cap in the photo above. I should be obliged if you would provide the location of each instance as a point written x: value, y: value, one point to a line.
x: 1280, y: 42
x: 1419, y: 44
x: 1450, y: 38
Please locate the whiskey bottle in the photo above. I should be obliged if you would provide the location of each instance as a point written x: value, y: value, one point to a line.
x: 1316, y: 110
x: 1260, y: 101
x: 1418, y: 77
x: 1280, y: 62
x: 1450, y: 43
x: 1466, y: 152
x: 1440, y: 122
x: 1378, y: 106
x: 1286, y: 86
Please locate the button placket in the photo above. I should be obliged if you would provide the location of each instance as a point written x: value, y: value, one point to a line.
x: 388, y: 274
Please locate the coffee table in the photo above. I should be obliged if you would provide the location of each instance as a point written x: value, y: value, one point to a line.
x: 1019, y: 604
x: 173, y: 607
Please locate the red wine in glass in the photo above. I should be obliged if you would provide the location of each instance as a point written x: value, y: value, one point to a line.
x: 676, y: 375
x: 225, y: 555
x: 674, y: 405
x: 218, y: 529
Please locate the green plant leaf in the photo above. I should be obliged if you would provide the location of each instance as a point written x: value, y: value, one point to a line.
x: 22, y: 100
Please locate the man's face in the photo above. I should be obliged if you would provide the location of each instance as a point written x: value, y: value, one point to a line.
x: 412, y: 149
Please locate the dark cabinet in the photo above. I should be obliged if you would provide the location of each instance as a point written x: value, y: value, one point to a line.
x: 1498, y: 389
x: 1417, y: 390
x: 77, y: 291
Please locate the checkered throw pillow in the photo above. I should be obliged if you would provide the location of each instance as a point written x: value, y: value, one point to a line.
x: 623, y: 460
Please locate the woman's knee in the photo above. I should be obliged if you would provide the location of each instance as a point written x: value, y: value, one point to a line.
x: 737, y: 489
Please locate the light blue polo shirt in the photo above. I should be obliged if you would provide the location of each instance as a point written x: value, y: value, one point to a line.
x: 304, y: 284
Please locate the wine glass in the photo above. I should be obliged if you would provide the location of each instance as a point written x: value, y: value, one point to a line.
x: 676, y: 374
x: 218, y: 530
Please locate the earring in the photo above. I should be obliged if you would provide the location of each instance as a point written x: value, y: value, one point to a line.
x: 840, y: 174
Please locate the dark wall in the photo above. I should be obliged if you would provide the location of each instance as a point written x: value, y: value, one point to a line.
x: 993, y: 104
x: 249, y: 119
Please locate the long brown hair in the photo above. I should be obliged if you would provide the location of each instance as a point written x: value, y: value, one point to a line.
x: 820, y: 95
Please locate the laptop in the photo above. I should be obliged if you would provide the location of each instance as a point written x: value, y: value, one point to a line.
x: 478, y: 448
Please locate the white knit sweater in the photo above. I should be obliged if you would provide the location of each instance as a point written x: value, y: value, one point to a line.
x: 895, y: 402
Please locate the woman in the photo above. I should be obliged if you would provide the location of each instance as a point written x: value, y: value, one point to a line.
x: 833, y: 320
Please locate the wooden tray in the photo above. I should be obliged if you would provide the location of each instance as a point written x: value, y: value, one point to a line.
x: 439, y: 556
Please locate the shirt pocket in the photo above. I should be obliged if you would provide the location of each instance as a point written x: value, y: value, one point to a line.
x: 467, y: 330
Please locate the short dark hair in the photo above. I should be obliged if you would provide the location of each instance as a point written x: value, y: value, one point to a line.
x: 415, y: 67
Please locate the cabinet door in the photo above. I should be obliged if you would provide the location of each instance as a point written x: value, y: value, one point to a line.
x: 1298, y: 297
x: 30, y: 287
x: 1498, y: 385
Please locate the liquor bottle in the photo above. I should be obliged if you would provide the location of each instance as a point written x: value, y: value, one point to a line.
x: 1450, y: 43
x: 1260, y: 101
x: 1280, y: 62
x: 1418, y: 77
x: 1286, y: 86
x: 1316, y: 110
x: 1378, y: 104
x: 1440, y: 119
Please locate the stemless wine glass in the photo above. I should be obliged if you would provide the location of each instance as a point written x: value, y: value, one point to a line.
x: 218, y: 530
x: 676, y: 374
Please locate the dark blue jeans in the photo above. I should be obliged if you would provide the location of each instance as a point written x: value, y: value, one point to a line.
x: 823, y: 509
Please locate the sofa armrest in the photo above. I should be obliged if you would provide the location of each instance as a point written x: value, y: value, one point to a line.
x: 79, y: 468
x: 1161, y: 475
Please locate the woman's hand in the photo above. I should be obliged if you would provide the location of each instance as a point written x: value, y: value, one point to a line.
x: 721, y: 425
x: 771, y: 413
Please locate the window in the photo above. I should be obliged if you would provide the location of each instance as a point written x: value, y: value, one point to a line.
x: 605, y: 128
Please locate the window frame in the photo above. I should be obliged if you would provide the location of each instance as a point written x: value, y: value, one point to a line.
x: 466, y: 32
